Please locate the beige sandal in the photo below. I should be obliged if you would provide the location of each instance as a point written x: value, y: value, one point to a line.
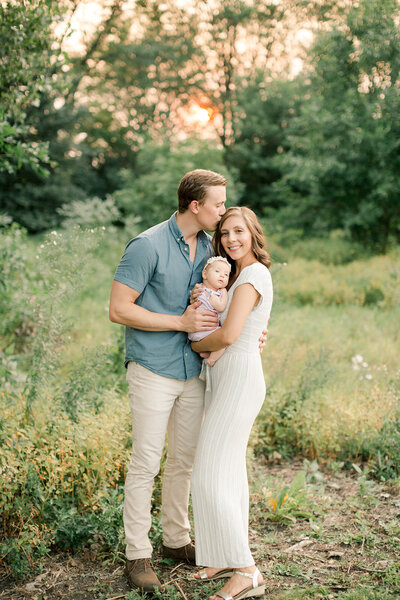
x: 218, y: 575
x: 250, y: 592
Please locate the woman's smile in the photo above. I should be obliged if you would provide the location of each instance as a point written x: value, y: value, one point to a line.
x: 236, y: 239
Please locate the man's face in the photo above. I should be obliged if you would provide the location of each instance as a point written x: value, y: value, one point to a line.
x: 209, y: 214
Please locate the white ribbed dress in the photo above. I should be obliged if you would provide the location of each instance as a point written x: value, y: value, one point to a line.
x: 220, y: 494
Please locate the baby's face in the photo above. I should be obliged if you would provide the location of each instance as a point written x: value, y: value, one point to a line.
x: 216, y: 275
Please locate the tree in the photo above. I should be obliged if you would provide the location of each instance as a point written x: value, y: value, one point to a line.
x: 82, y: 152
x: 148, y: 195
x: 341, y: 170
x: 261, y: 135
x: 27, y: 67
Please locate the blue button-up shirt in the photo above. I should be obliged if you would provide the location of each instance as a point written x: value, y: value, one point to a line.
x: 157, y: 264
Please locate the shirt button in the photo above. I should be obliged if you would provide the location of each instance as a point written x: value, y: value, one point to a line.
x: 185, y: 353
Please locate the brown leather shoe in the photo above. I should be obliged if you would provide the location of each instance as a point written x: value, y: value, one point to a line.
x: 141, y: 575
x: 184, y: 553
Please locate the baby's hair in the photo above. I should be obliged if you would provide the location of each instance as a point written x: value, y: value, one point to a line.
x: 214, y: 259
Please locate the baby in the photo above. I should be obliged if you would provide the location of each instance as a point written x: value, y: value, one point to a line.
x: 213, y: 297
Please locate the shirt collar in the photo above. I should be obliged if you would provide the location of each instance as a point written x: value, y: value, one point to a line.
x: 178, y: 235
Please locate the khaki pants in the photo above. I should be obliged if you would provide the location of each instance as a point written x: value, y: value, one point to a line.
x: 160, y: 404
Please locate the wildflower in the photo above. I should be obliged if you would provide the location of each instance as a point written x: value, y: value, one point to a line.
x: 54, y: 233
x: 368, y: 376
x: 357, y: 360
x: 54, y: 242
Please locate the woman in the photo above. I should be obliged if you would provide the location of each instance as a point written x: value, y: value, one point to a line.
x: 236, y: 393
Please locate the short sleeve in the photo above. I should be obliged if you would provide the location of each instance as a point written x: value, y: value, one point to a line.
x: 260, y: 278
x: 137, y: 264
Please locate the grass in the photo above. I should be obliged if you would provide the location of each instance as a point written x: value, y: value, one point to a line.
x: 332, y: 375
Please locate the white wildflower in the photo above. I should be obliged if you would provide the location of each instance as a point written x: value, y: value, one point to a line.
x: 357, y: 360
x: 54, y: 242
x: 368, y: 376
x: 364, y: 364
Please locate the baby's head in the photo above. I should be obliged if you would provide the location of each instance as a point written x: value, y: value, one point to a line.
x: 216, y: 273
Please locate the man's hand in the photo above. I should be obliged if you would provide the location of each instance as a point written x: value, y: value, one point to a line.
x: 263, y: 338
x: 198, y: 320
x: 195, y: 293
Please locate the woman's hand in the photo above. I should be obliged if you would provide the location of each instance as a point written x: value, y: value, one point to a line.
x: 195, y: 293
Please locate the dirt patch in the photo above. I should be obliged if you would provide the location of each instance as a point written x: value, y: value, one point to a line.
x: 351, y: 542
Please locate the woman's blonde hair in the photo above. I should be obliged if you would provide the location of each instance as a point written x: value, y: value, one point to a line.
x: 257, y: 235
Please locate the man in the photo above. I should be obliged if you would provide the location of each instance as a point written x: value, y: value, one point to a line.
x: 150, y: 295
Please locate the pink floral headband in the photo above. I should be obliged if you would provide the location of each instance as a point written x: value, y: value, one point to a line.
x: 214, y: 259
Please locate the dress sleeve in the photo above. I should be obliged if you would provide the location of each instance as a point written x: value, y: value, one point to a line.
x: 137, y: 264
x: 260, y: 278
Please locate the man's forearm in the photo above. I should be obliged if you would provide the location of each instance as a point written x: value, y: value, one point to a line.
x: 140, y: 318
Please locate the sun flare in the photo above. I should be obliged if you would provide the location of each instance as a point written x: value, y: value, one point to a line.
x: 199, y: 115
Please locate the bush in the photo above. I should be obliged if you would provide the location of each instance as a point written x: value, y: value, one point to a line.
x: 92, y: 212
x: 64, y: 430
x: 333, y: 250
x: 382, y: 451
x: 150, y: 192
x: 374, y: 281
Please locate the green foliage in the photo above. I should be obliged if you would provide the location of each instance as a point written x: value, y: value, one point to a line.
x: 289, y: 503
x: 64, y: 430
x: 92, y: 212
x: 365, y: 283
x: 149, y: 192
x: 341, y: 168
x: 382, y: 451
x: 266, y: 111
x: 27, y: 70
x: 333, y: 250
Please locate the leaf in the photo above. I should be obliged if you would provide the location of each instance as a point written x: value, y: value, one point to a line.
x: 282, y: 495
x: 298, y: 483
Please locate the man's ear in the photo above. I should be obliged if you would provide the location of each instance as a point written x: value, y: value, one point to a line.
x: 194, y: 206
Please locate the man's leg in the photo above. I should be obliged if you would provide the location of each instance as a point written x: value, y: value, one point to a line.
x: 183, y: 432
x: 152, y: 399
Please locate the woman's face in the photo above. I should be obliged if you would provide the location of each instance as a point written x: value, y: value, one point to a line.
x: 236, y: 238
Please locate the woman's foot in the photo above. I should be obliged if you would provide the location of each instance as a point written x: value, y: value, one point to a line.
x: 212, y: 573
x: 238, y: 584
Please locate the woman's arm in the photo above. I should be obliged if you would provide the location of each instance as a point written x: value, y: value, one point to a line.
x: 245, y: 297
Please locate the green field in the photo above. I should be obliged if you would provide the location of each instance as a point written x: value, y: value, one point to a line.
x: 331, y: 365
